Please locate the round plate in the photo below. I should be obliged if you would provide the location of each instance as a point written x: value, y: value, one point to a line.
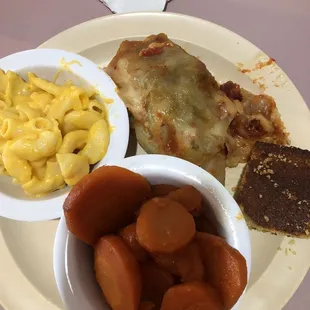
x: 278, y: 263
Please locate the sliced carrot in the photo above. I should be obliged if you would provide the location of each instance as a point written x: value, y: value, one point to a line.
x: 146, y: 305
x: 164, y: 226
x: 104, y: 202
x: 160, y: 190
x: 191, y: 295
x: 129, y: 235
x: 155, y: 282
x: 117, y: 273
x: 189, y: 197
x: 185, y: 263
x: 203, y: 224
x: 225, y: 267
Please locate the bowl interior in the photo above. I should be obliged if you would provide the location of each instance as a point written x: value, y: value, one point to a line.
x: 60, y: 66
x: 49, y: 73
x: 76, y: 268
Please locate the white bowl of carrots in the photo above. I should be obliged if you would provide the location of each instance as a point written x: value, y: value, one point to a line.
x: 151, y: 232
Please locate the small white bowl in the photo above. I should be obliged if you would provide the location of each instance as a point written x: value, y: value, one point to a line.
x: 46, y: 63
x: 73, y: 260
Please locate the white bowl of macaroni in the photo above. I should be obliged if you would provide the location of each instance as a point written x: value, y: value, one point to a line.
x: 60, y: 117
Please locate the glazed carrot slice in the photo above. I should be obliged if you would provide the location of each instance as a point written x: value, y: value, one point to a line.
x: 164, y: 226
x: 155, y: 282
x: 117, y: 273
x: 146, y: 305
x: 191, y: 295
x: 129, y: 235
x: 160, y: 190
x: 225, y: 267
x: 104, y: 202
x: 189, y: 197
x: 185, y: 263
x: 203, y: 224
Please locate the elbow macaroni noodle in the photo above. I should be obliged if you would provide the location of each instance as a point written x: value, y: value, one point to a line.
x: 49, y: 134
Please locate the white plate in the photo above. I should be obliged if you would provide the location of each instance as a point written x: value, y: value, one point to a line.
x: 26, y: 249
x: 47, y: 64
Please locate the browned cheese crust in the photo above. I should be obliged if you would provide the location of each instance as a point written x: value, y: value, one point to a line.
x: 274, y: 190
x: 178, y: 108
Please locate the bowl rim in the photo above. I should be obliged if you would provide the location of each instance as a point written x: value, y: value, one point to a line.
x: 48, y: 207
x: 156, y: 163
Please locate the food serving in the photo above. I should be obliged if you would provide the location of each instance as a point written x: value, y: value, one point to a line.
x: 271, y: 266
x: 49, y: 134
x: 179, y: 109
x: 65, y: 119
x: 274, y: 190
x: 149, y: 246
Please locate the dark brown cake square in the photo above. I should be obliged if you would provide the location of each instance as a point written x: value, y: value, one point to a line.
x: 274, y: 190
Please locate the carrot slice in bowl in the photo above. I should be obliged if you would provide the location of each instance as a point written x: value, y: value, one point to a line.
x: 117, y: 273
x: 164, y: 226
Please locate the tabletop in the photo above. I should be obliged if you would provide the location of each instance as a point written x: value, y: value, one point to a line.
x: 279, y: 27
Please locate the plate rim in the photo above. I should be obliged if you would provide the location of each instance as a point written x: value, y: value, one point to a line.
x: 55, y: 40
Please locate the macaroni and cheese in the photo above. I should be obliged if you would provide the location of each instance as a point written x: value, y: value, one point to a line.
x: 49, y: 134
